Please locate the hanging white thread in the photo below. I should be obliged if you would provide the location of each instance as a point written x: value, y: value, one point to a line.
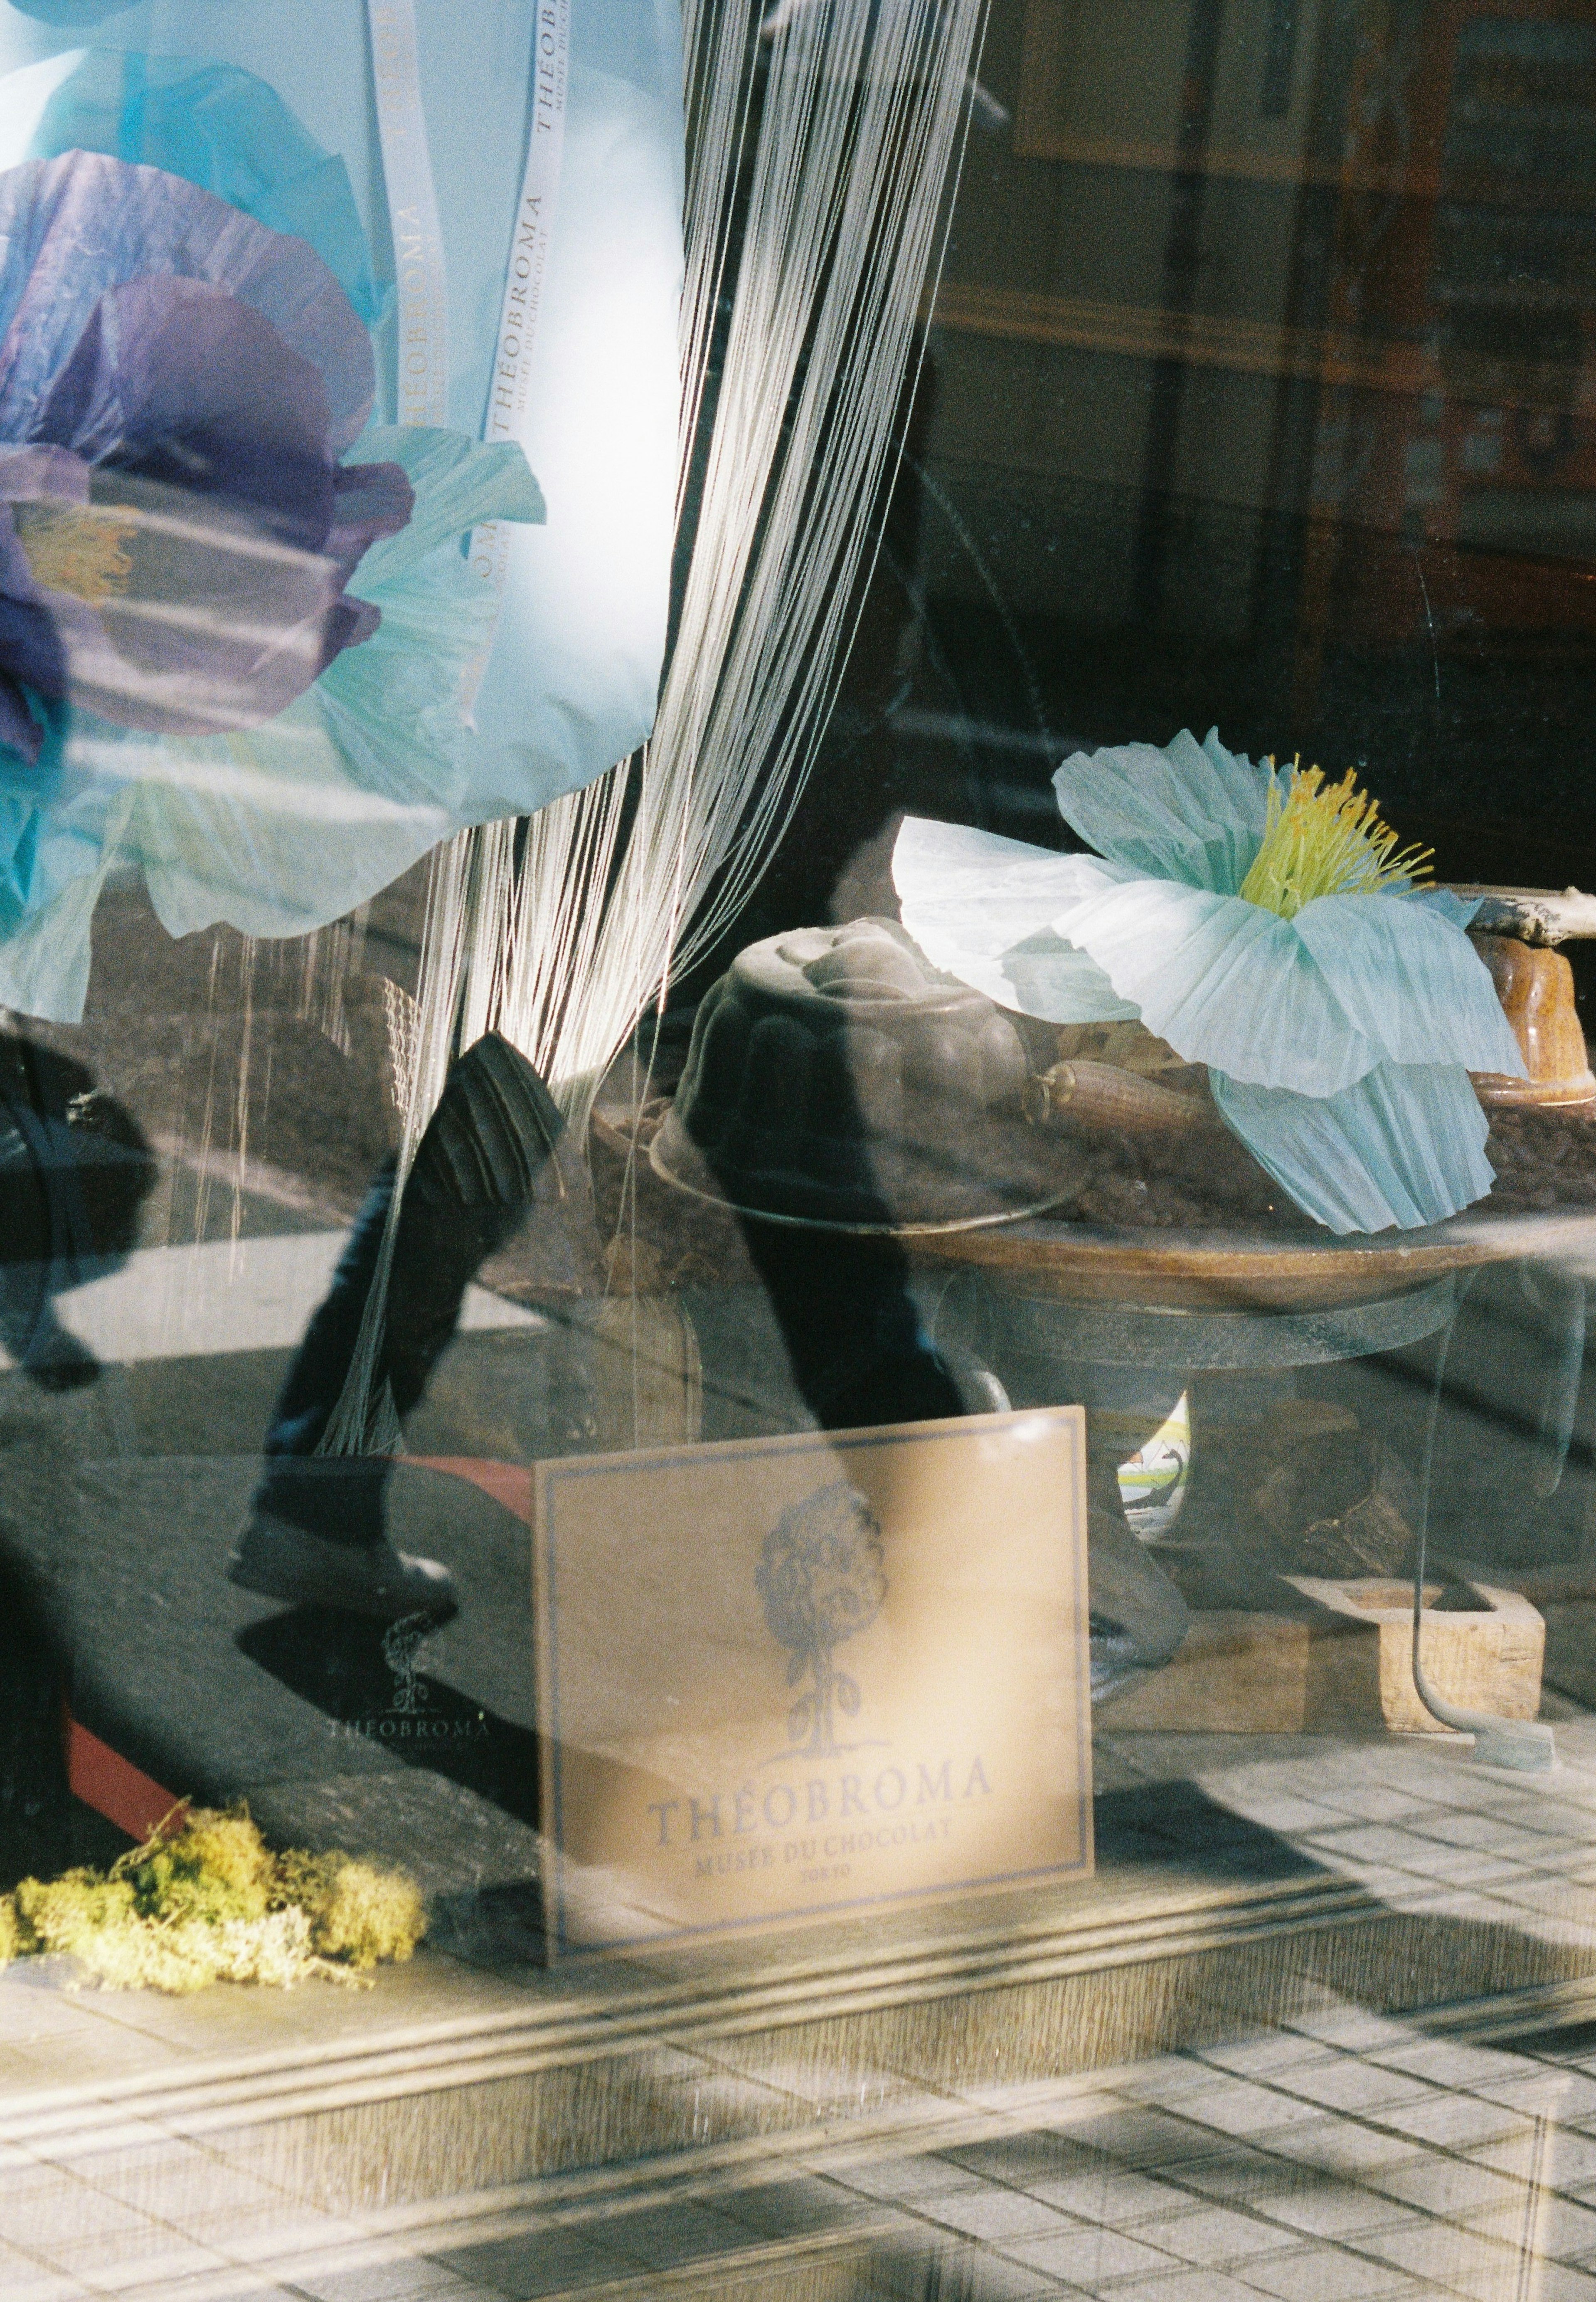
x: 402, y: 1019
x: 847, y: 207
x: 830, y: 211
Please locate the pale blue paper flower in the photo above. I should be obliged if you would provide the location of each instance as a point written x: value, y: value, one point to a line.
x: 1338, y: 1041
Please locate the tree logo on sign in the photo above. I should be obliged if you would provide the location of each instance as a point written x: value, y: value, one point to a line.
x: 821, y: 1578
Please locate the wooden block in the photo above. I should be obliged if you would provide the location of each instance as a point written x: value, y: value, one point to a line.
x: 1238, y: 1673
x: 1341, y: 1666
x: 1488, y: 1662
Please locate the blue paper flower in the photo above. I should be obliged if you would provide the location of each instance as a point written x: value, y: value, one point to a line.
x: 223, y: 129
x: 1261, y: 924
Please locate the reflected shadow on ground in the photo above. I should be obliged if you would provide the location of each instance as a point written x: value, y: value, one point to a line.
x: 1177, y: 1823
x: 363, y: 1677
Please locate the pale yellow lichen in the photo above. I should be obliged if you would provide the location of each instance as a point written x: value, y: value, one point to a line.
x: 228, y: 1844
x: 368, y: 1916
x: 204, y: 1900
x: 303, y: 1880
x: 1327, y: 839
x: 216, y: 1869
x: 64, y: 1912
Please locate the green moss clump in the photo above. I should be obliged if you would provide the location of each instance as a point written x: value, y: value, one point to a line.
x: 206, y: 1900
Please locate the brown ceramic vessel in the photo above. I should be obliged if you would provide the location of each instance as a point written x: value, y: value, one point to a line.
x: 1536, y: 985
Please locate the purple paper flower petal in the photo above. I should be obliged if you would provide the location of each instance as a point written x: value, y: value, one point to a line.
x: 176, y: 532
x: 19, y: 729
x: 216, y: 625
x: 32, y: 654
x: 72, y: 228
x: 176, y: 381
x: 27, y: 474
x: 369, y: 501
x: 351, y: 622
x: 32, y: 651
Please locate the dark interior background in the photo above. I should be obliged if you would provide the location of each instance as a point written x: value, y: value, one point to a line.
x: 1260, y: 391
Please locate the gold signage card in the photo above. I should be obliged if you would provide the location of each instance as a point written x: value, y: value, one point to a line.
x: 782, y: 1676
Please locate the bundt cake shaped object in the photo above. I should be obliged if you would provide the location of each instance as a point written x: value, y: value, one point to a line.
x: 835, y: 1078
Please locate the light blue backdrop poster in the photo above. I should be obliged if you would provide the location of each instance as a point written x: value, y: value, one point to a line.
x: 338, y: 409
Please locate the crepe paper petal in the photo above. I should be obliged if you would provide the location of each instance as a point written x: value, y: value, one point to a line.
x: 369, y: 503
x: 1411, y: 980
x: 269, y: 831
x: 1308, y: 1004
x: 979, y: 906
x: 1405, y: 1147
x: 1193, y: 812
x: 1224, y: 981
x: 54, y: 818
x: 30, y: 474
x: 33, y: 665
x: 214, y: 125
x: 74, y: 228
x: 32, y: 655
x: 279, y: 827
x: 286, y: 825
x: 1338, y: 1042
x: 19, y: 729
x: 20, y: 826
x: 458, y: 484
x: 221, y: 596
x: 44, y: 966
x: 171, y: 611
x: 32, y: 651
x: 1047, y: 977
x: 394, y: 709
x: 177, y: 381
x: 1457, y: 910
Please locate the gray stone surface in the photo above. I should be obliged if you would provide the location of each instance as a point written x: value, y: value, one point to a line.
x: 454, y: 1841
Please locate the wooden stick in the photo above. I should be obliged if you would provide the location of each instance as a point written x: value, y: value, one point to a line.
x: 1101, y: 1097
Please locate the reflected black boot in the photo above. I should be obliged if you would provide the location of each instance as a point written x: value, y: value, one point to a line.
x: 315, y: 1534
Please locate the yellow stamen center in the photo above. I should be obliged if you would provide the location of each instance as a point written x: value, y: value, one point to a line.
x: 76, y: 548
x: 1327, y: 839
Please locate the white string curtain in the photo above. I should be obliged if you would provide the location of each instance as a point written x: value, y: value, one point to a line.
x: 817, y: 193
x: 854, y: 146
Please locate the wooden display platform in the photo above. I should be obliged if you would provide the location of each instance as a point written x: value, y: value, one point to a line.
x: 1251, y: 1270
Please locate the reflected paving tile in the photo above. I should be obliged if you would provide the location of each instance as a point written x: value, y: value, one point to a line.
x: 1348, y: 2155
x: 1348, y: 2161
